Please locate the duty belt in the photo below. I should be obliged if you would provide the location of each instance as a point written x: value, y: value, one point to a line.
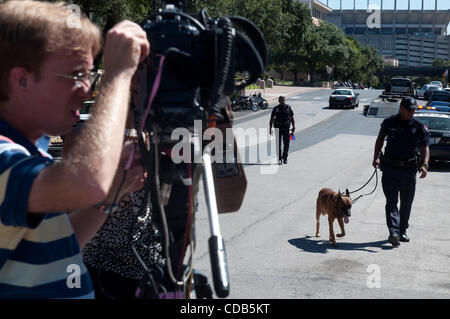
x: 282, y: 125
x: 401, y: 163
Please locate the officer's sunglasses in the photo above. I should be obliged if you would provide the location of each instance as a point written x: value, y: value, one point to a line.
x: 81, y: 78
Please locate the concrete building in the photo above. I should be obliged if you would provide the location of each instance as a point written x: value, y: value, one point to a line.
x: 319, y: 10
x: 415, y: 37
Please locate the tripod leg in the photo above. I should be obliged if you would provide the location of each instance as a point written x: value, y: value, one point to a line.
x: 216, y: 242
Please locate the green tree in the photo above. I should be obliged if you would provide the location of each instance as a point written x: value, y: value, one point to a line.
x: 441, y: 62
x: 324, y: 45
x: 298, y: 18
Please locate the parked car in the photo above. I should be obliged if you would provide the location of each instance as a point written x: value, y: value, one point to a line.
x: 344, y: 98
x: 430, y: 90
x: 434, y: 107
x: 421, y: 91
x: 438, y: 83
x: 447, y: 89
x: 401, y: 86
x: 438, y: 125
x: 440, y: 106
x: 439, y: 96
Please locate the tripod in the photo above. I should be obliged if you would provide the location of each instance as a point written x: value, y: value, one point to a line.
x: 173, y: 189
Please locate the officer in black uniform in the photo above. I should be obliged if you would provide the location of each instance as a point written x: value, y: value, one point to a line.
x: 400, y: 165
x: 281, y: 118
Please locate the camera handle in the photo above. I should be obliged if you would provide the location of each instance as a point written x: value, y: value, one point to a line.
x: 216, y: 243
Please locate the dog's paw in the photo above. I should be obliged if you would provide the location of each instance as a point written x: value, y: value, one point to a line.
x: 340, y: 235
x: 317, y: 235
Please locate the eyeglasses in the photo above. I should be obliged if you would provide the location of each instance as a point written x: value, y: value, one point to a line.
x: 80, y: 78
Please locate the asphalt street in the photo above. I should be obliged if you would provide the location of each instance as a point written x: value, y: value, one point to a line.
x: 271, y: 247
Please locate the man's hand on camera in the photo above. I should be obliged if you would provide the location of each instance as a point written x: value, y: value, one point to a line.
x: 134, y: 179
x: 126, y: 46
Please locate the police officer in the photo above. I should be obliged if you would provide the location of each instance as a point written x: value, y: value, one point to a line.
x: 399, y: 165
x: 282, y: 116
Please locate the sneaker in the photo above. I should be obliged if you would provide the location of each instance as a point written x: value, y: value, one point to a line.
x: 280, y: 162
x: 285, y: 161
x: 394, y: 240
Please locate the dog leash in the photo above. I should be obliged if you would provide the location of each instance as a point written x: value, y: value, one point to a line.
x: 375, y: 173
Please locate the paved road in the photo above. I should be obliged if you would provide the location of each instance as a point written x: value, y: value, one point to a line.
x: 270, y: 243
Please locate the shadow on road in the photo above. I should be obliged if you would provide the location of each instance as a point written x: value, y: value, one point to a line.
x: 314, y: 245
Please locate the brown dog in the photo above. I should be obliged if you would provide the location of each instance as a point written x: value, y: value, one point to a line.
x: 336, y: 205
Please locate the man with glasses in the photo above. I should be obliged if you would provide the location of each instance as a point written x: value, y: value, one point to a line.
x: 399, y: 165
x: 49, y: 210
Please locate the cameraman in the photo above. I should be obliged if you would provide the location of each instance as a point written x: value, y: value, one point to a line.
x: 45, y: 77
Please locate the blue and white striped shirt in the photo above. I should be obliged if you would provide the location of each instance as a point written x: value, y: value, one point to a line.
x: 39, y: 254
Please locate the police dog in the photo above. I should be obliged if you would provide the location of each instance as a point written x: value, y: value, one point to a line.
x: 336, y: 205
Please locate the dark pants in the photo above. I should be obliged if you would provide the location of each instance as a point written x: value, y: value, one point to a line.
x: 395, y: 182
x: 283, y: 135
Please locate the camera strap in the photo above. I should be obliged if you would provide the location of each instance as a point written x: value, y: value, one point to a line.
x: 155, y: 88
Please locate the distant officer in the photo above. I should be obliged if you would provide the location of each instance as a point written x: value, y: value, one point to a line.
x: 281, y: 118
x: 400, y: 164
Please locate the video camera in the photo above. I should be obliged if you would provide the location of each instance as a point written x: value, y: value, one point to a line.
x: 189, y: 71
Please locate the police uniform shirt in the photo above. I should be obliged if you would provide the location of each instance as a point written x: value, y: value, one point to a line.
x: 282, y: 115
x: 403, y: 137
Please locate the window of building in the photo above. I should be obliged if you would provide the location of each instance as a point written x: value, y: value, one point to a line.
x: 388, y: 43
x: 414, y: 31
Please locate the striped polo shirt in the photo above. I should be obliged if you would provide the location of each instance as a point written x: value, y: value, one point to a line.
x: 39, y: 253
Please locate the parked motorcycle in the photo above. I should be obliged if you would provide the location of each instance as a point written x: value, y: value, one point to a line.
x: 259, y: 100
x: 244, y: 103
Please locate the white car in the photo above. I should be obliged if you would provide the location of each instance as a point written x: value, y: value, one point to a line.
x: 438, y: 83
x: 344, y: 98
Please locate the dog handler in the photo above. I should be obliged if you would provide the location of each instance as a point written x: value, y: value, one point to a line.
x: 399, y: 165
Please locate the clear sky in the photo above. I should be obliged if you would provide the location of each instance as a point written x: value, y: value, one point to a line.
x: 389, y: 5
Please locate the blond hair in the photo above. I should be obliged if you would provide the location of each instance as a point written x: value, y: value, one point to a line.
x: 31, y: 30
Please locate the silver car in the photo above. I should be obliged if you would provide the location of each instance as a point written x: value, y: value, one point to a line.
x: 438, y: 83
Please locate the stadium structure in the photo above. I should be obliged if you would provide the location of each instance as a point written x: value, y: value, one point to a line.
x: 413, y: 37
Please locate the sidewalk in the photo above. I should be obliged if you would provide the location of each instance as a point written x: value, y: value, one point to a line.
x: 272, y: 94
